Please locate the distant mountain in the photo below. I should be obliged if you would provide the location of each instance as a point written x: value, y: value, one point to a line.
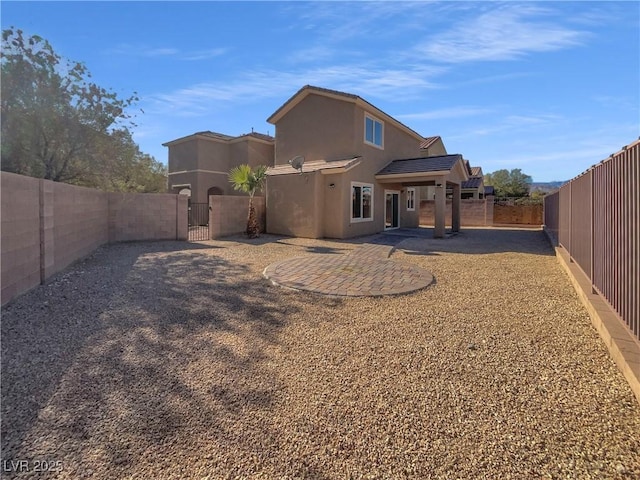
x: 546, y: 186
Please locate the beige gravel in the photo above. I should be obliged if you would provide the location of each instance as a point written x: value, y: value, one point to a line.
x: 172, y: 360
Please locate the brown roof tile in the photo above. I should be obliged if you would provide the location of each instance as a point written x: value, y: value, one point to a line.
x: 473, y: 182
x: 424, y: 164
x: 428, y: 141
x: 314, y: 166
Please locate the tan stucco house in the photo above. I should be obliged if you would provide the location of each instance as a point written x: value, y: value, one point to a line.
x: 199, y: 164
x: 361, y: 173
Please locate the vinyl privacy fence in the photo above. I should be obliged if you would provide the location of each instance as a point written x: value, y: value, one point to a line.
x: 596, y: 218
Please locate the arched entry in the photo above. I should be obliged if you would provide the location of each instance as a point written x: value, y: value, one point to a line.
x: 214, y: 191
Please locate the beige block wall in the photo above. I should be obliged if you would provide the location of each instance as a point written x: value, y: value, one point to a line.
x: 20, y: 230
x: 48, y: 225
x: 472, y: 212
x: 79, y: 222
x: 518, y: 214
x: 228, y: 214
x: 153, y: 216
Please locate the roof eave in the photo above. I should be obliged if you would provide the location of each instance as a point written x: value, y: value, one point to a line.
x: 250, y: 137
x: 399, y: 176
x: 193, y: 137
x: 300, y: 95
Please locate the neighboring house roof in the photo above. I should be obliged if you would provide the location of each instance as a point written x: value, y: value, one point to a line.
x: 416, y: 165
x: 473, y: 182
x: 326, y: 167
x: 476, y: 171
x: 260, y: 136
x: 208, y: 133
x: 489, y: 190
x: 347, y: 97
x: 220, y: 137
x: 428, y: 141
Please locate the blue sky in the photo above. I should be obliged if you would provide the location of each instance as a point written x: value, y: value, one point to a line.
x: 548, y: 87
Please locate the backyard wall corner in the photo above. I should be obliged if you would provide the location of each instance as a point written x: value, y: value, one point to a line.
x: 48, y: 225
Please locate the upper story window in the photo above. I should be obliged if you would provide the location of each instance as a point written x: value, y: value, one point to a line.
x: 373, y: 131
x: 411, y: 199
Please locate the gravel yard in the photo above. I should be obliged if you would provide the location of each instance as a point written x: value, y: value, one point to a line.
x: 171, y: 360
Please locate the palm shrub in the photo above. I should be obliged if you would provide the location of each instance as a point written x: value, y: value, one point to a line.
x: 248, y: 180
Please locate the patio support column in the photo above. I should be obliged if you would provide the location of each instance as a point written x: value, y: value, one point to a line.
x: 455, y: 209
x: 441, y: 207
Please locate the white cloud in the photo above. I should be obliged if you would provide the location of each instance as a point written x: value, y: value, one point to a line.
x: 364, y: 80
x: 451, y: 112
x: 204, y: 54
x: 146, y: 51
x: 504, y: 33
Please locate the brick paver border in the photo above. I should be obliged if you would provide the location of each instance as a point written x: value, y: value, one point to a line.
x: 366, y: 271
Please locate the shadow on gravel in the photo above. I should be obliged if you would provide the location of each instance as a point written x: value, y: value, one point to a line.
x: 420, y: 241
x: 139, y: 346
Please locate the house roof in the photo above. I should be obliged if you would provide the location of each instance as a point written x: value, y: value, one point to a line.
x: 220, y: 137
x: 476, y: 171
x: 489, y: 190
x: 473, y: 182
x: 425, y: 164
x: 260, y: 136
x: 347, y: 97
x: 428, y: 141
x: 208, y: 133
x: 325, y: 166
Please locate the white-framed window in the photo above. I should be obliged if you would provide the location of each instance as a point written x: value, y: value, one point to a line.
x: 361, y: 202
x: 411, y: 199
x: 373, y: 131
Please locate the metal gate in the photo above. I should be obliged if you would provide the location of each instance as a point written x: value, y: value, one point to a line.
x: 198, y: 221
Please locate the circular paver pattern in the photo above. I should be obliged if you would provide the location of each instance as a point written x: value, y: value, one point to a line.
x: 347, y: 275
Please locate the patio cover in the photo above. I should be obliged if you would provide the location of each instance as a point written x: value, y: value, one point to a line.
x: 441, y: 171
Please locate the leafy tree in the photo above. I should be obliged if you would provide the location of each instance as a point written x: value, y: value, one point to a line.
x: 127, y: 168
x: 507, y: 183
x: 58, y: 125
x: 249, y: 181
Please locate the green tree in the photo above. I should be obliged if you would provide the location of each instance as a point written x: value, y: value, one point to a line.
x: 246, y: 180
x: 507, y: 183
x: 59, y: 125
x: 127, y: 169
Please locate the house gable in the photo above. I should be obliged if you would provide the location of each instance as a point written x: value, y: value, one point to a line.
x: 343, y: 97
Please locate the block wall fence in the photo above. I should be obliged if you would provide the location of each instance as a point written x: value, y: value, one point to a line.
x: 473, y: 213
x: 228, y: 214
x: 45, y: 225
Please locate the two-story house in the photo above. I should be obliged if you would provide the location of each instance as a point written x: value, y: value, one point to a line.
x: 199, y: 164
x: 361, y: 169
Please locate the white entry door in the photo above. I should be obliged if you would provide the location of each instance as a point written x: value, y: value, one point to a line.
x: 391, y: 209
